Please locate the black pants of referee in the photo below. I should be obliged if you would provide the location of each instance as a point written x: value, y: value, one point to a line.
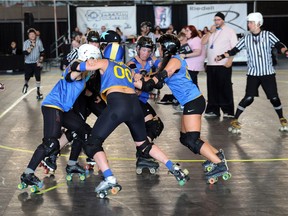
x: 220, y: 91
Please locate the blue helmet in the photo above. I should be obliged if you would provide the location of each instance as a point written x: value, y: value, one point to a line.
x: 114, y: 51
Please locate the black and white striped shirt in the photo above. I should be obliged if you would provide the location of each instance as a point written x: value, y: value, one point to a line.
x: 259, y: 52
x: 72, y: 55
x: 33, y: 57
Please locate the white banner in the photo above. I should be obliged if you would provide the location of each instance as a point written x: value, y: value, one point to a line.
x: 203, y: 15
x: 111, y: 17
x: 162, y: 16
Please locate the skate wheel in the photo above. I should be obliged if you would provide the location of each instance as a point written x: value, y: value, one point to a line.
x: 22, y: 185
x: 213, y: 180
x: 82, y: 177
x: 230, y: 129
x: 69, y: 177
x: 34, y: 189
x: 101, y: 195
x: 139, y: 171
x: 182, y: 182
x: 209, y: 168
x: 235, y: 131
x: 152, y: 170
x: 115, y: 190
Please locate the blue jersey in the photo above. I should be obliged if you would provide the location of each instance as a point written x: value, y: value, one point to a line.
x: 64, y: 93
x: 181, y: 85
x: 150, y: 64
x: 116, y: 75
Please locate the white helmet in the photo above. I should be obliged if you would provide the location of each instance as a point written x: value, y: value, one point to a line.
x: 256, y: 17
x: 87, y: 51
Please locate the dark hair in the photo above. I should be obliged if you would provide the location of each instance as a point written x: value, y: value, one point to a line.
x: 194, y: 32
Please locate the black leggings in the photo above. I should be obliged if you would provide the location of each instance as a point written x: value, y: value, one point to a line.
x: 121, y: 108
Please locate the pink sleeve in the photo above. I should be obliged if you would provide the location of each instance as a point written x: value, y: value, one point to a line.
x: 195, y: 43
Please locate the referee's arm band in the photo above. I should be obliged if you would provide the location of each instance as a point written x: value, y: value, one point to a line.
x: 233, y: 51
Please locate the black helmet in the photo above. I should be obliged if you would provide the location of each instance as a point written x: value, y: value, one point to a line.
x: 170, y: 44
x: 147, y: 23
x: 93, y: 36
x: 145, y: 42
x: 110, y: 36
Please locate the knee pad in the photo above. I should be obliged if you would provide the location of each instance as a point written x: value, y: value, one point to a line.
x: 275, y: 101
x: 51, y: 146
x: 154, y: 127
x: 144, y: 149
x: 192, y: 141
x: 92, y: 146
x: 84, y: 132
x: 70, y: 135
x: 246, y: 101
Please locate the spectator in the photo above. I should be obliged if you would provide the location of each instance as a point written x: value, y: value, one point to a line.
x: 158, y: 32
x: 219, y: 74
x: 146, y: 28
x: 123, y: 37
x: 171, y: 30
x: 13, y: 50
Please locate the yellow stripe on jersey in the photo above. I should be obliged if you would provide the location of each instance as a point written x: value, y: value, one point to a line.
x: 114, y: 50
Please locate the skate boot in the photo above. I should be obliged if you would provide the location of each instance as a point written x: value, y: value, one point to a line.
x: 219, y: 169
x: 30, y: 180
x: 149, y: 163
x: 284, y: 126
x: 49, y: 164
x: 208, y: 165
x: 75, y: 169
x: 90, y: 163
x: 39, y: 95
x: 235, y: 127
x: 108, y: 186
x: 181, y: 176
x: 25, y: 88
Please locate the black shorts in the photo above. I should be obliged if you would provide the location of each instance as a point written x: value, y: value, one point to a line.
x: 31, y: 70
x: 147, y: 109
x: 121, y: 108
x: 267, y: 82
x: 196, y: 106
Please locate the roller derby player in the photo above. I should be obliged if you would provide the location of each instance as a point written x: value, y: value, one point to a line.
x: 122, y: 107
x: 34, y: 56
x: 143, y: 64
x: 54, y: 106
x: 259, y: 45
x: 173, y: 72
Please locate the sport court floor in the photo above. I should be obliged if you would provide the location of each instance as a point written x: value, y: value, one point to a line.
x: 257, y: 159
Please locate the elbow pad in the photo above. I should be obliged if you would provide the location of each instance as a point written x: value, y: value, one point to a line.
x: 132, y: 66
x: 233, y: 51
x: 68, y: 78
x: 75, y: 65
x: 159, y: 85
x: 148, y: 86
x: 161, y: 75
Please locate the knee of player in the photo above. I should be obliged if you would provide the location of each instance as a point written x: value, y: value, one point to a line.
x: 154, y: 127
x: 192, y: 141
x: 92, y: 146
x: 275, y: 101
x: 50, y: 146
x: 145, y: 148
x: 246, y: 101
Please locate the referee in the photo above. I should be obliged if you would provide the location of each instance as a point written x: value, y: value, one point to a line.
x: 34, y: 55
x: 259, y: 45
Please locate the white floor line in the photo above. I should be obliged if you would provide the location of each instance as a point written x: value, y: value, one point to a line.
x: 16, y: 102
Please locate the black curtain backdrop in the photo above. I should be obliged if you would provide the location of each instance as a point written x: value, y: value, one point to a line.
x: 10, y: 32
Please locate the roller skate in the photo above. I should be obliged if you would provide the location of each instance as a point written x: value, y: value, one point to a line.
x: 284, y: 126
x: 90, y: 163
x: 218, y: 170
x: 235, y: 127
x: 2, y: 87
x: 107, y: 186
x: 75, y: 169
x: 143, y: 163
x: 49, y: 164
x: 39, y: 95
x: 208, y: 165
x: 181, y: 176
x: 30, y: 180
x: 25, y: 88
